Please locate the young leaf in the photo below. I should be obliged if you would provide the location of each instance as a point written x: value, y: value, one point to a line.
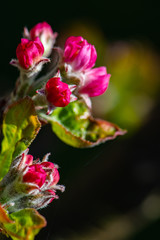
x: 4, y: 219
x: 21, y: 225
x: 20, y: 126
x: 75, y: 126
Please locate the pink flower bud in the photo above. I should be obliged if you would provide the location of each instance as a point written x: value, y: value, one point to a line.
x: 79, y: 53
x: 35, y: 174
x: 45, y: 33
x: 29, y: 52
x: 96, y: 82
x: 44, y: 174
x: 57, y: 92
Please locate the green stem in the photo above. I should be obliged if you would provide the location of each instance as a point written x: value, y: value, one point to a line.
x: 22, y: 87
x: 40, y: 82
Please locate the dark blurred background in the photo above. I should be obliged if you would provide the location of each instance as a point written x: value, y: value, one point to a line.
x: 112, y: 190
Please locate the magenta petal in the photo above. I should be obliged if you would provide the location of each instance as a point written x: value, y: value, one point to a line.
x: 93, y: 57
x: 29, y: 52
x: 85, y: 59
x: 56, y: 177
x: 80, y: 54
x: 72, y: 47
x: 73, y: 39
x: 96, y: 82
x: 35, y: 174
x: 39, y: 45
x: 82, y: 59
x: 39, y: 29
x: 24, y: 41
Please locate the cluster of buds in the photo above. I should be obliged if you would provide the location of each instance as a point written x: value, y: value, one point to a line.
x: 33, y: 183
x: 75, y: 78
x: 34, y: 49
x: 76, y: 68
x: 29, y: 183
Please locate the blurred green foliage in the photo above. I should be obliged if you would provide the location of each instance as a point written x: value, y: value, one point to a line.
x: 134, y: 85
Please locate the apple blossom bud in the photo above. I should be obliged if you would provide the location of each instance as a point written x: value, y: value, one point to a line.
x: 79, y: 53
x: 29, y: 52
x: 57, y: 92
x: 47, y: 37
x: 35, y: 174
x: 29, y: 57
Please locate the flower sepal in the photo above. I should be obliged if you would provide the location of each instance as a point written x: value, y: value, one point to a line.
x: 33, y: 70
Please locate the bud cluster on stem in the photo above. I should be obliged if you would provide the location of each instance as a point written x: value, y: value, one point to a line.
x: 74, y: 74
x: 29, y: 183
x: 32, y: 53
x: 70, y: 75
x: 34, y: 183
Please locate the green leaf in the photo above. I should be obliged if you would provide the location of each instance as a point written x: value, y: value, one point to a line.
x: 20, y: 126
x: 21, y: 225
x: 75, y: 126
